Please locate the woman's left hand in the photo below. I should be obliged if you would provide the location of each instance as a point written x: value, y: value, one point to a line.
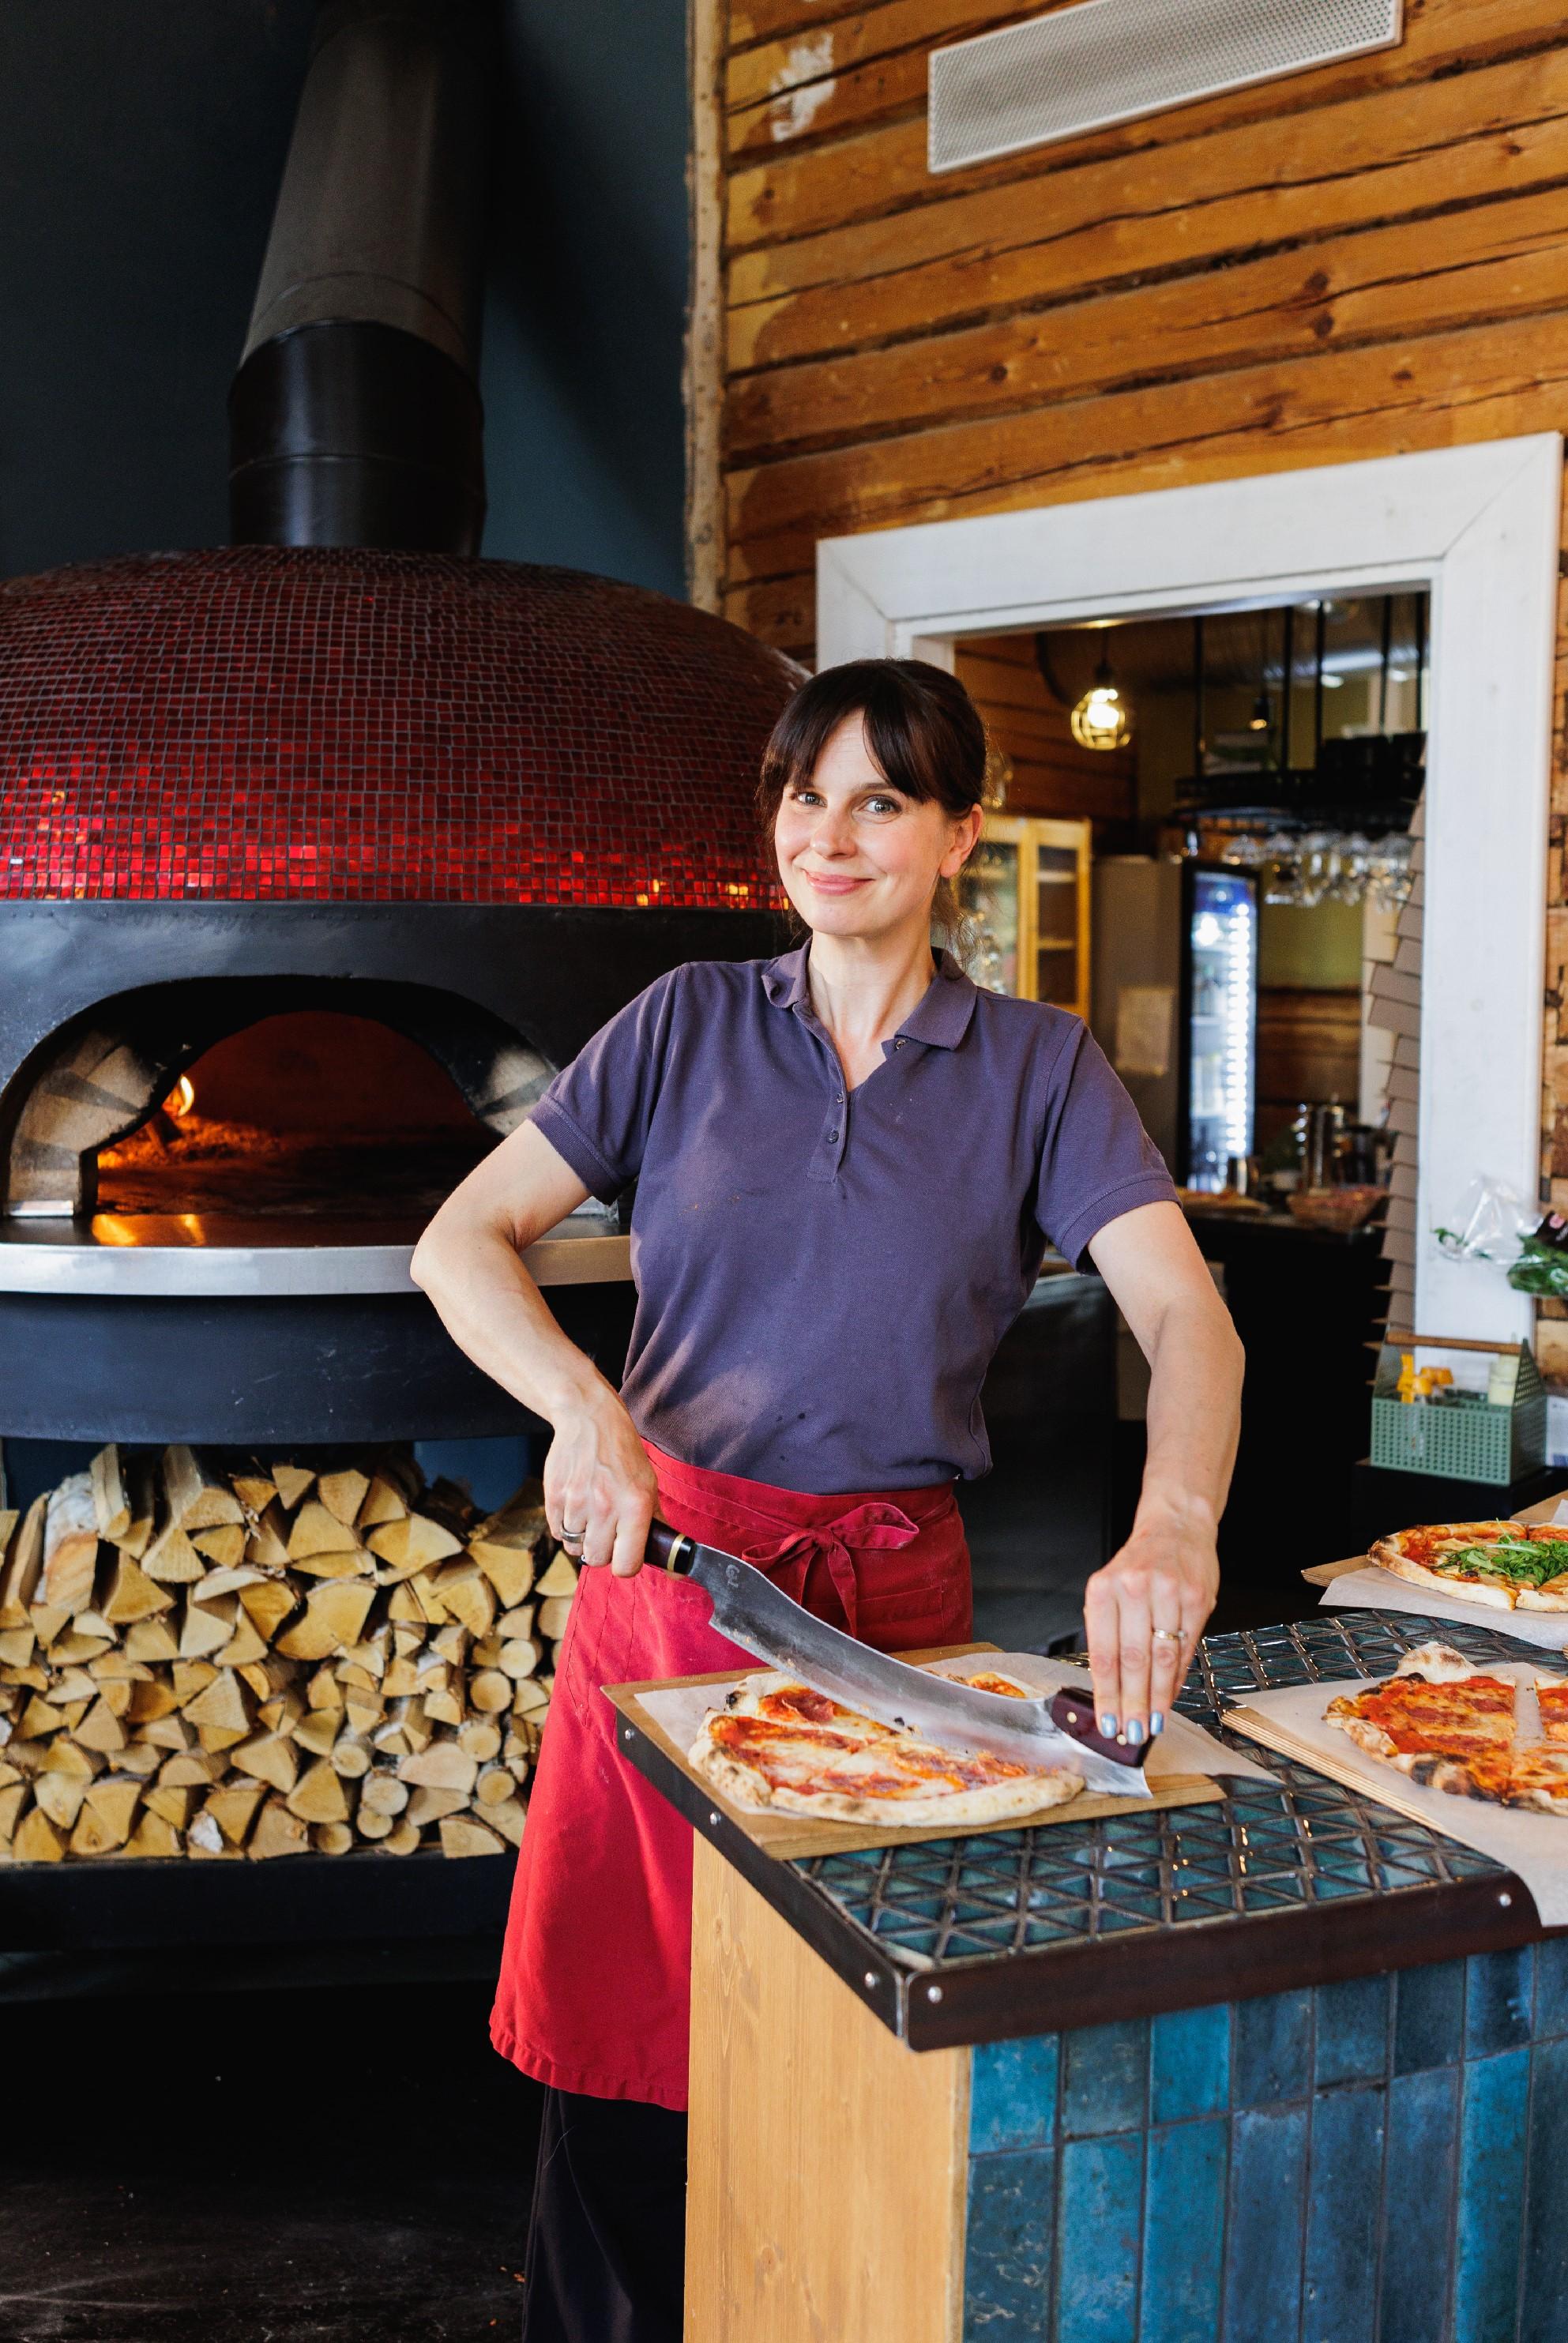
x: 1144, y: 1613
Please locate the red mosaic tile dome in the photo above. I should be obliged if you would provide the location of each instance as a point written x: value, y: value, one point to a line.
x: 272, y: 723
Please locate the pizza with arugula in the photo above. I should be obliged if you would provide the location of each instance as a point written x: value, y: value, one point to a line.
x: 1508, y: 1565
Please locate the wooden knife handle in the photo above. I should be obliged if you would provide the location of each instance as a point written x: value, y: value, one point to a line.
x: 1074, y: 1713
x: 668, y: 1549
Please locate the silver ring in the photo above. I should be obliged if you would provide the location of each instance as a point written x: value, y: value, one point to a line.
x: 574, y: 1537
x: 1167, y: 1636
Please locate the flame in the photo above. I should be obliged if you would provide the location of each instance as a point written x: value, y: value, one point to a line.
x: 181, y: 1099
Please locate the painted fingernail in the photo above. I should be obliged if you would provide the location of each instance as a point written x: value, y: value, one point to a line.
x: 1108, y: 1726
x: 1156, y: 1724
x: 1135, y: 1730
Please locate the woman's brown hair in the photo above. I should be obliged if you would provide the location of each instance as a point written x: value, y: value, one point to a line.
x: 923, y: 730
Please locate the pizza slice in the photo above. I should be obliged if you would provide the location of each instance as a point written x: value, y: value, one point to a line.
x: 1505, y: 1565
x: 777, y: 1745
x: 1447, y: 1724
x: 1552, y: 1693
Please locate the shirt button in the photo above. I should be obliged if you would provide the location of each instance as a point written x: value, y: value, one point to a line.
x: 831, y: 1136
x: 899, y: 1042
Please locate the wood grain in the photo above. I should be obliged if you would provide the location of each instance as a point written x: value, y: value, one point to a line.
x: 828, y: 2160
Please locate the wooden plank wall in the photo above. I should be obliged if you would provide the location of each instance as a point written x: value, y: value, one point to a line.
x: 1350, y: 262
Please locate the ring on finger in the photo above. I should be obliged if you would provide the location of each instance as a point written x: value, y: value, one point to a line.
x: 573, y: 1537
x: 1167, y: 1636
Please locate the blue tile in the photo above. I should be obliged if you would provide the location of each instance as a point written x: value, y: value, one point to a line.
x: 1551, y: 1987
x: 1105, y: 2078
x: 1273, y: 2048
x: 1007, y: 2256
x: 1012, y: 2095
x: 1097, y: 2240
x: 1262, y: 2265
x: 1190, y: 2064
x: 1543, y: 2313
x: 1422, y: 2123
x: 1353, y: 2030
x: 1498, y: 2000
x: 1491, y: 2198
x: 1339, y: 2299
x: 1184, y: 2233
x: 1429, y: 2016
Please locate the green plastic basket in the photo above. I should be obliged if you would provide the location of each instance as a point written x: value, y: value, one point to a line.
x: 1472, y: 1441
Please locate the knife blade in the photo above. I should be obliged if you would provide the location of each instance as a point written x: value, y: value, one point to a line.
x: 1053, y: 1730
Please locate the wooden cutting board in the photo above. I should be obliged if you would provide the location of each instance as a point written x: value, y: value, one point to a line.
x: 791, y: 1838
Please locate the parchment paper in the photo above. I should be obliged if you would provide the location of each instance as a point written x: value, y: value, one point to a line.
x: 1534, y: 1846
x: 1182, y: 1748
x: 1373, y: 1589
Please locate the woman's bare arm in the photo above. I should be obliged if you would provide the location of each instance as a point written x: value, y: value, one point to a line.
x: 597, y: 1478
x: 1168, y: 1573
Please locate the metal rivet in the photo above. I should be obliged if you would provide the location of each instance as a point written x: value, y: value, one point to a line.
x: 1505, y: 1899
x: 870, y: 1980
x: 627, y: 1735
x: 714, y: 1819
x: 933, y: 1993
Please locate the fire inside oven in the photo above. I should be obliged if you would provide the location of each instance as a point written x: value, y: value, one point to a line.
x: 304, y: 1116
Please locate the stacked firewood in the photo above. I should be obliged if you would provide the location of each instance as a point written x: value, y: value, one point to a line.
x: 267, y: 1659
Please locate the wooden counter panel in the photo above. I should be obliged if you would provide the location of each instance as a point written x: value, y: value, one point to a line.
x: 827, y: 2160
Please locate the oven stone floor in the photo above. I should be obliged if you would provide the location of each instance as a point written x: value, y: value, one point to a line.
x: 331, y: 2162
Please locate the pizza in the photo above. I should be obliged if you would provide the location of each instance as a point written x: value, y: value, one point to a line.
x: 1451, y: 1727
x: 1506, y: 1565
x: 780, y: 1746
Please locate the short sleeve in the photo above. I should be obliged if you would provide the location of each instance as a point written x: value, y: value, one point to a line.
x: 597, y: 1111
x: 1096, y: 1160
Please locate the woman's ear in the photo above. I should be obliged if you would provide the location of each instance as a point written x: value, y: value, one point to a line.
x: 966, y: 833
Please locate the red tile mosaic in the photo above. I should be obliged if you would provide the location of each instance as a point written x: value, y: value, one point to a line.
x: 271, y: 723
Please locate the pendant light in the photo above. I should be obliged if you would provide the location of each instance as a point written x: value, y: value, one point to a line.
x: 1101, y: 718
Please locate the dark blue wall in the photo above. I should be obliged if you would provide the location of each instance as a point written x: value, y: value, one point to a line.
x: 140, y: 147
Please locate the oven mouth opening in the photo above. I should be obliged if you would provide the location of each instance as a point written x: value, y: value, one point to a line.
x: 331, y: 1126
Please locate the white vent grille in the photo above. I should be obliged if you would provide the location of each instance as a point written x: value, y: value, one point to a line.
x: 1108, y: 61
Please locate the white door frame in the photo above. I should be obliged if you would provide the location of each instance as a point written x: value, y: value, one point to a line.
x: 1480, y: 526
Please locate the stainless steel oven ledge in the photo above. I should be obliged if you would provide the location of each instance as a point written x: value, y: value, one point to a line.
x: 147, y: 1256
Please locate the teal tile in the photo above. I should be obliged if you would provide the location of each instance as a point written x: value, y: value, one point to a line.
x: 1544, y: 2312
x: 1190, y: 2064
x: 1008, y: 2247
x: 1273, y: 2048
x: 1492, y: 2134
x: 1105, y: 2078
x: 1338, y: 2293
x: 1184, y: 2233
x: 1429, y: 2016
x: 1499, y: 1999
x: 1422, y: 2125
x: 1550, y: 1988
x: 1352, y: 2030
x: 1013, y: 2094
x: 1097, y: 2236
x: 1263, y: 2245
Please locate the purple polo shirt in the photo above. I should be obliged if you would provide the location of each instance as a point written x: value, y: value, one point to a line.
x: 822, y: 1279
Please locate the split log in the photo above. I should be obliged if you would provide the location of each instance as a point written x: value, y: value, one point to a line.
x: 316, y: 1530
x: 172, y: 1559
x: 494, y: 1786
x: 24, y: 1562
x: 292, y: 1483
x: 108, y: 1812
x: 278, y: 1832
x: 60, y: 1796
x: 70, y: 1545
x: 225, y: 1545
x: 383, y: 1502
x: 384, y: 1793
x: 233, y: 1809
x: 403, y: 1838
x: 123, y: 1498
x: 152, y: 1839
x: 506, y: 1545
x: 133, y: 1595
x: 442, y: 1767
x: 267, y: 1544
x: 207, y: 1628
x: 172, y: 1801
x: 461, y: 1835
x: 314, y: 1732
x: 197, y: 1497
x: 427, y: 1805
x: 268, y: 1604
x: 508, y: 1819
x: 226, y: 1706
x: 152, y: 1641
x: 268, y: 1758
x: 553, y: 1616
x: 490, y: 1691
x: 468, y: 1595
x: 331, y: 1838
x: 36, y: 1839
x: 334, y: 1614
x: 561, y: 1577
x: 370, y: 1823
x: 318, y: 1795
x: 413, y: 1543
x: 481, y: 1738
x: 255, y: 1491
x: 343, y: 1493
x: 12, y: 1796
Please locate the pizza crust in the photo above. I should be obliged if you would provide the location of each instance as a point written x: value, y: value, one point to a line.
x: 1535, y: 1775
x: 1389, y: 1554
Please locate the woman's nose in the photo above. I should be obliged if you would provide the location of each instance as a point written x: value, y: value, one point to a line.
x: 831, y: 833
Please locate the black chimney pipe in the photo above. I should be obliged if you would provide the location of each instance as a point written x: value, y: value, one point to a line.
x: 355, y: 416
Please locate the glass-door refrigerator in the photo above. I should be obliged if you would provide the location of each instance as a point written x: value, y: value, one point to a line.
x: 1219, y: 993
x: 1174, y: 1004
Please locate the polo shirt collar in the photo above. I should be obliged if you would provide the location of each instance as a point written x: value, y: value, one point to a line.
x: 939, y: 1018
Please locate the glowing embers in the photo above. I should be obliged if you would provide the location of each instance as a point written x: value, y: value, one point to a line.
x: 265, y: 723
x: 310, y: 1117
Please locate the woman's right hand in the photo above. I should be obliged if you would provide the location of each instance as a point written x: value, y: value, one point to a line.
x: 599, y: 1484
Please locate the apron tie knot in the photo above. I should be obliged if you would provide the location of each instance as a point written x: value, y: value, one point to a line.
x: 877, y: 1527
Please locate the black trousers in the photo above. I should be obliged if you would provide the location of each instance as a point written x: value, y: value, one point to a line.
x: 607, y: 2237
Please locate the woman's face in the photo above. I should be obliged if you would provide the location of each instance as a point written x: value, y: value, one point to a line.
x: 856, y: 857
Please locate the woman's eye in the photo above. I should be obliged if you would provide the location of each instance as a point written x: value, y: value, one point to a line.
x: 804, y: 797
x: 883, y: 805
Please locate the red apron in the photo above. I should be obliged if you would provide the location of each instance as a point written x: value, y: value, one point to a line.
x: 595, y: 1973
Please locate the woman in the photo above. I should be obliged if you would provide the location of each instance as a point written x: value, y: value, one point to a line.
x: 848, y: 1161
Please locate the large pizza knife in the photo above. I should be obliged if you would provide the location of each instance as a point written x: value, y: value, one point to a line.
x: 1055, y: 1730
